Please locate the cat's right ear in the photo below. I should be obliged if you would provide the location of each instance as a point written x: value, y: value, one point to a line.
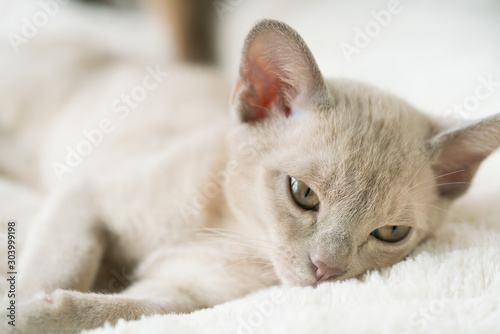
x: 458, y: 154
x: 278, y: 74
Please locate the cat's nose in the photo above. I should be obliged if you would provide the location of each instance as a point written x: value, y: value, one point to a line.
x: 323, y: 271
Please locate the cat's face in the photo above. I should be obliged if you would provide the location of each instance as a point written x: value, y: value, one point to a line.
x: 345, y: 178
x: 339, y: 189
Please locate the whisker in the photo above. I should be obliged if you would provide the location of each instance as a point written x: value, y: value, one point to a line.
x: 441, y: 184
x: 419, y: 169
x: 447, y: 211
x: 436, y: 177
x: 248, y: 245
x: 268, y: 273
x: 437, y: 229
x: 216, y: 234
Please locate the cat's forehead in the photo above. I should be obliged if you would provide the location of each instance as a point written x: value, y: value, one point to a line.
x: 367, y: 126
x: 365, y: 140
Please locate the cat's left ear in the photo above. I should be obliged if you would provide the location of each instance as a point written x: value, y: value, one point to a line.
x: 458, y: 154
x: 278, y: 74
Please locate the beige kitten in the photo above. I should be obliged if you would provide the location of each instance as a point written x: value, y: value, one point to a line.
x: 309, y: 181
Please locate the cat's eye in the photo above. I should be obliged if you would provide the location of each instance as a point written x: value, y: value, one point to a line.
x: 303, y: 195
x: 391, y: 233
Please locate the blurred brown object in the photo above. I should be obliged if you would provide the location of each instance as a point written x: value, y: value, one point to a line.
x: 192, y: 25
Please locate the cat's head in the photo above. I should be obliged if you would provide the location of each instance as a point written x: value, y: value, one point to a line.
x: 342, y: 177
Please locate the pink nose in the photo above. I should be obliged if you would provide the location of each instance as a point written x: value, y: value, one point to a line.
x: 323, y: 271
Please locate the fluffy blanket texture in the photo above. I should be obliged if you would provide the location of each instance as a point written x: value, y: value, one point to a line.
x: 450, y: 283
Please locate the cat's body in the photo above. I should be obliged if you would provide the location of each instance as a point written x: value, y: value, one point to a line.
x: 139, y: 187
x: 198, y: 202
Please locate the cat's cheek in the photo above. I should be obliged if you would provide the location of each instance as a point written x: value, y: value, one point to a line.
x: 293, y: 267
x: 374, y: 253
x: 291, y: 280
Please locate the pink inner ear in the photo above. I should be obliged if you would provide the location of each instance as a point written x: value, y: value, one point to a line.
x: 262, y: 87
x: 456, y: 168
x: 460, y: 153
x: 453, y: 182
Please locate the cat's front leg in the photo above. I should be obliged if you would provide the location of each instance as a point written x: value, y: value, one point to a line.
x: 170, y: 280
x: 68, y: 312
x: 64, y: 246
